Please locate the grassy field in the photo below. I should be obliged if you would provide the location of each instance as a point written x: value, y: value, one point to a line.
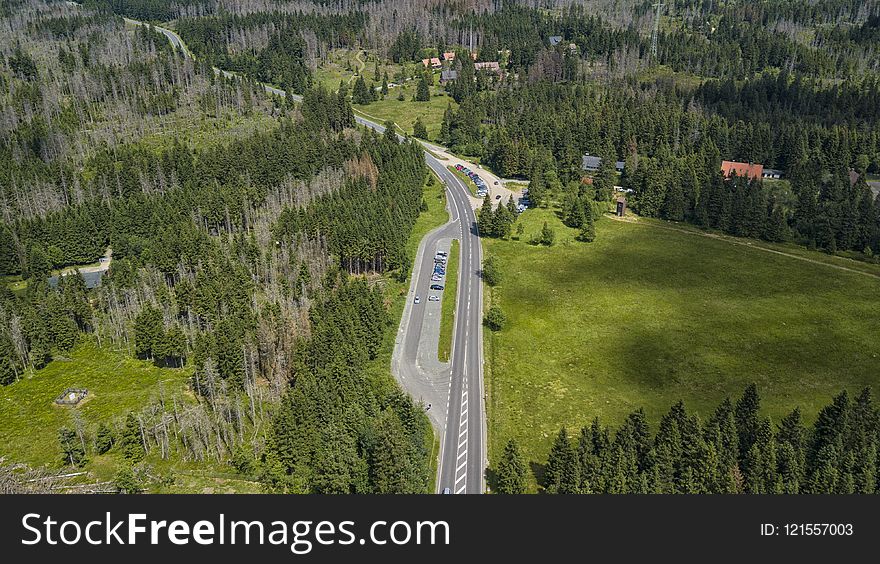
x: 14, y: 283
x: 404, y: 113
x: 447, y: 308
x: 340, y: 66
x: 117, y: 384
x: 649, y: 314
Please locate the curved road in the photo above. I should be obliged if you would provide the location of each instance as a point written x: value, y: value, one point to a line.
x: 462, y: 427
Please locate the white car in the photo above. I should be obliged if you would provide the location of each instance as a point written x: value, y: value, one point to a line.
x: 433, y: 298
x: 417, y: 300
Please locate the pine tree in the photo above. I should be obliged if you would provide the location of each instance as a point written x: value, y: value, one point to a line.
x: 361, y: 94
x: 72, y: 448
x: 104, y: 439
x: 495, y: 318
x: 548, y: 236
x: 588, y: 229
x: 511, y: 475
x: 674, y: 207
x: 445, y: 126
x: 491, y: 271
x: 486, y: 219
x: 747, y: 422
x: 423, y: 91
x: 125, y: 481
x: 389, y: 461
x: 562, y: 473
x: 419, y: 129
x: 131, y: 442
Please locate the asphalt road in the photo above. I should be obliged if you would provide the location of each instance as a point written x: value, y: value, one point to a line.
x: 463, y: 450
x: 463, y: 426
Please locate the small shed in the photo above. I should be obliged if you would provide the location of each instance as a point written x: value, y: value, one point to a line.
x: 621, y: 206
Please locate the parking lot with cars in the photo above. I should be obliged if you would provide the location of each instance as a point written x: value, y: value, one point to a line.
x: 482, y: 187
x: 440, y: 259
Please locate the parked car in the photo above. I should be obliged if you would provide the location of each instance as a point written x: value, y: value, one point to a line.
x: 436, y: 287
x: 433, y: 298
x: 436, y: 278
x: 498, y: 197
x: 496, y: 183
x: 417, y: 300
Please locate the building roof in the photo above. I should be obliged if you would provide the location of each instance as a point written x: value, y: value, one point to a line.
x: 875, y: 187
x: 555, y: 40
x: 490, y: 65
x: 749, y: 170
x: 853, y: 177
x: 433, y: 62
x: 772, y: 172
x: 449, y: 56
x: 590, y: 162
x: 449, y: 75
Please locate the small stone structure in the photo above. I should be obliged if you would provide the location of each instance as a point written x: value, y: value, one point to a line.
x: 621, y: 207
x: 71, y: 396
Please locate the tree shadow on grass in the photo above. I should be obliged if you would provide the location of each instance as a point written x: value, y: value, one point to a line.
x: 491, y: 479
x: 538, y: 470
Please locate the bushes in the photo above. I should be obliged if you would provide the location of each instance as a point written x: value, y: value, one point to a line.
x: 495, y: 318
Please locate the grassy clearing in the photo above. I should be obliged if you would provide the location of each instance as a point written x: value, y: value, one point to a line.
x: 404, y: 113
x: 117, y: 384
x: 200, y: 132
x: 14, y: 283
x: 340, y: 66
x: 646, y: 316
x: 447, y: 308
x: 343, y: 65
x: 841, y: 259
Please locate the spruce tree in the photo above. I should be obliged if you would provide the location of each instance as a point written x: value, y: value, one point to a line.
x: 131, y: 442
x: 588, y: 229
x: 511, y: 475
x: 423, y: 91
x: 548, y: 235
x: 746, y: 417
x: 486, y: 219
x: 419, y: 129
x: 72, y: 449
x: 491, y: 271
x: 562, y: 475
x: 103, y: 438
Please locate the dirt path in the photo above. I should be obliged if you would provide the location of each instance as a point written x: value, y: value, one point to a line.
x: 747, y: 243
x: 360, y: 72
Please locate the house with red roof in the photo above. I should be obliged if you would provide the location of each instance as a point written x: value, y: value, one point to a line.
x: 742, y: 170
x: 433, y: 62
